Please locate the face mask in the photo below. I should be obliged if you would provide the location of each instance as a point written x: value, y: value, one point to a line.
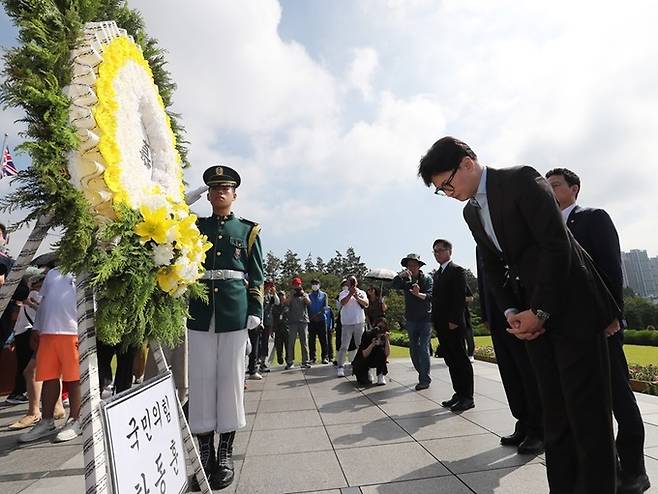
x: 315, y: 288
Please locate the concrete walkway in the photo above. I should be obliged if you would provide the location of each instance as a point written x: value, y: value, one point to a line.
x: 310, y: 432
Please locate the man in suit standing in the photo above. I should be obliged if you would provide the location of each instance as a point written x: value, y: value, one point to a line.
x: 513, y: 364
x: 595, y: 232
x: 553, y: 299
x: 448, y: 308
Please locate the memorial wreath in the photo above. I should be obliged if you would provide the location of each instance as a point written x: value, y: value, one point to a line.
x: 107, y: 159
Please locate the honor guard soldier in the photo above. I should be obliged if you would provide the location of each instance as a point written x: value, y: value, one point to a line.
x: 218, y: 329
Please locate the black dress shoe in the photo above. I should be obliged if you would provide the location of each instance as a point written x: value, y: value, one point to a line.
x: 634, y: 485
x: 531, y: 446
x: 513, y: 439
x: 421, y: 386
x: 462, y: 405
x: 452, y: 401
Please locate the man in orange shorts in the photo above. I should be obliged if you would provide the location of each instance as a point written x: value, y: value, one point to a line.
x: 55, y: 333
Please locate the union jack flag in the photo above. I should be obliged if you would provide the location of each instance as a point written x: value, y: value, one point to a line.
x: 7, y: 167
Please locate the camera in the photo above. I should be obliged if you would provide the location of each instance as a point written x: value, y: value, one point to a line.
x: 380, y: 330
x: 298, y: 291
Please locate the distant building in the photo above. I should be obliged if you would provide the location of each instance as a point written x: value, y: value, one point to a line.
x: 640, y: 273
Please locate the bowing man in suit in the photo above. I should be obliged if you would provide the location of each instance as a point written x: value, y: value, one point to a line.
x: 448, y: 316
x: 553, y: 299
x: 595, y: 232
x: 513, y: 364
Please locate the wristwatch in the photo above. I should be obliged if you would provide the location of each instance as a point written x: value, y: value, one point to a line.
x: 541, y: 315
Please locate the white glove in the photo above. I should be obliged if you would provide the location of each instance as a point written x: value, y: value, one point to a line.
x: 253, y: 322
x: 194, y: 195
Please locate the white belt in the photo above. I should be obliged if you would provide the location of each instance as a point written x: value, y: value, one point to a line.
x: 222, y: 274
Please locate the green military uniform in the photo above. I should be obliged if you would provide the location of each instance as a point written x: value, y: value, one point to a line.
x: 236, y: 247
x: 218, y: 329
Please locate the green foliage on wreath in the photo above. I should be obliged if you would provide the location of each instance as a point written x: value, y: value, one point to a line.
x: 130, y: 306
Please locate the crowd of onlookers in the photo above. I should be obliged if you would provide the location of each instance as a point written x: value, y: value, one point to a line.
x: 41, y: 323
x: 351, y: 326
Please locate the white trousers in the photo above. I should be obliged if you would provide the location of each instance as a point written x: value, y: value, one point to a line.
x: 216, y: 375
x: 347, y: 331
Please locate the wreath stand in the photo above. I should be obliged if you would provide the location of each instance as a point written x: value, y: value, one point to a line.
x: 95, y: 460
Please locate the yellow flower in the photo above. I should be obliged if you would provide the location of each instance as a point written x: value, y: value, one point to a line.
x: 187, y: 231
x: 155, y: 226
x: 168, y: 279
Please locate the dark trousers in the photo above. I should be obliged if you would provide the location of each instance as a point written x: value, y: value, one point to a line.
x: 319, y: 329
x: 630, y: 433
x: 573, y: 376
x: 23, y: 356
x: 254, y: 338
x: 280, y: 343
x: 518, y: 378
x: 330, y: 346
x: 459, y: 367
x: 264, y: 344
x: 361, y: 365
x: 123, y: 377
x: 470, y: 341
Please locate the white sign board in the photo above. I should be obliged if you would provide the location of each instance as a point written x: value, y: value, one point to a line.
x: 143, y: 439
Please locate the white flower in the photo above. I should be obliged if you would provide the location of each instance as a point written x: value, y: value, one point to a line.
x: 179, y: 291
x: 187, y: 270
x: 154, y: 201
x: 162, y: 254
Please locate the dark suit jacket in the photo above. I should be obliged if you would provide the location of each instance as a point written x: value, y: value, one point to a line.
x: 448, y: 297
x: 487, y: 305
x: 595, y: 232
x: 541, y: 266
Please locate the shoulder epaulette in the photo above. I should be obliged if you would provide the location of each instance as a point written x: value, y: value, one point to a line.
x: 253, y: 235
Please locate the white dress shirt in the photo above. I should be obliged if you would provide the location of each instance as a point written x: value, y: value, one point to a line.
x: 483, y: 210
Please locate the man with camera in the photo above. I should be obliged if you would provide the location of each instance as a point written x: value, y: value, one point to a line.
x: 298, y: 303
x: 372, y: 354
x: 352, y: 301
x: 417, y: 288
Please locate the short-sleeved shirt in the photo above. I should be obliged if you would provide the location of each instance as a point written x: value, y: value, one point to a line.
x: 26, y: 315
x: 352, y: 312
x: 57, y: 312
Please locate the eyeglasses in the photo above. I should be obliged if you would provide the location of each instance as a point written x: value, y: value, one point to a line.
x: 446, y: 187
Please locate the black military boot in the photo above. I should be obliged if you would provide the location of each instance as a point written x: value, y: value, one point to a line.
x: 208, y: 459
x: 224, y: 475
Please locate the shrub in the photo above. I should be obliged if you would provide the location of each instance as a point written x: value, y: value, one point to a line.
x: 644, y: 372
x: 486, y: 352
x: 646, y: 337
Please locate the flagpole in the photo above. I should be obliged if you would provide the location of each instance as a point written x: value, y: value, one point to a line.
x: 4, y: 142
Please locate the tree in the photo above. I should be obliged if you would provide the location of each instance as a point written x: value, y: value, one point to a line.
x: 308, y: 264
x: 336, y: 264
x: 471, y: 281
x: 353, y: 265
x: 272, y: 265
x: 320, y: 266
x: 291, y: 265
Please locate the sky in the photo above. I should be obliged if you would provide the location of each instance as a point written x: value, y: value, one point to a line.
x: 326, y: 107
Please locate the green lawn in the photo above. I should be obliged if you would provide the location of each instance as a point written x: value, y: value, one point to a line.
x: 636, y: 354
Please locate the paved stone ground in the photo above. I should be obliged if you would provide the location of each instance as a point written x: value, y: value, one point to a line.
x: 310, y: 432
